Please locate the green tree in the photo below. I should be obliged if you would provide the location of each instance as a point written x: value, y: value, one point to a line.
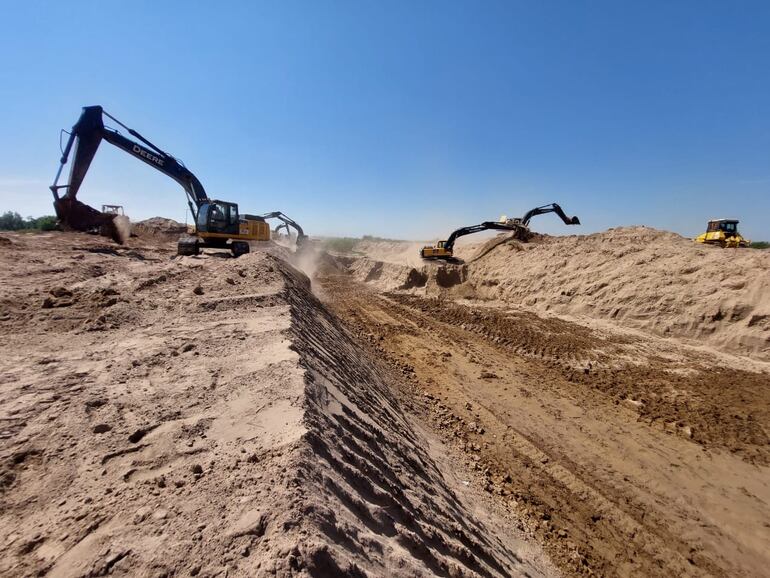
x: 11, y: 221
x: 44, y: 223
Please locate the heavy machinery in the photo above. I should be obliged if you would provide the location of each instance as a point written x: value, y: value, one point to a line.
x: 217, y: 223
x: 445, y: 249
x: 113, y: 209
x: 520, y: 227
x: 286, y: 223
x: 723, y: 232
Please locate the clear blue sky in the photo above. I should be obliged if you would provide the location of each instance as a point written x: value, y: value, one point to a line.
x: 403, y: 119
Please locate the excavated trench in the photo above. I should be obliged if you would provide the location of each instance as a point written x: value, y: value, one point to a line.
x: 208, y: 416
x: 624, y: 455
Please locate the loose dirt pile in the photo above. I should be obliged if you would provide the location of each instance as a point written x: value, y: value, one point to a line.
x: 642, y: 278
x: 634, y: 277
x: 159, y: 228
x: 207, y: 416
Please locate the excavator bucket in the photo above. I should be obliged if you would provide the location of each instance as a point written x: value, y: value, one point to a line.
x: 77, y: 216
x: 73, y: 214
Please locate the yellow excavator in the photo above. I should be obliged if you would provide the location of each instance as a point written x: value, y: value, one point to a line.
x: 218, y: 224
x: 520, y: 227
x: 723, y: 232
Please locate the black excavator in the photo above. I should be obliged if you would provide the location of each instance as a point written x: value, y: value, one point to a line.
x: 520, y: 227
x: 218, y: 224
x: 286, y: 223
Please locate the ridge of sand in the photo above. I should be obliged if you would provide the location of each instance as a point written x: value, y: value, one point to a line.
x: 159, y: 228
x: 635, y: 277
x: 208, y: 416
x: 642, y: 278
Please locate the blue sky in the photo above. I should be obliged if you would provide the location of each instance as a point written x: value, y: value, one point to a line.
x: 403, y: 119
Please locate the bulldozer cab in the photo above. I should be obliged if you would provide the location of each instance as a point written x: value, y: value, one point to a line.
x: 728, y: 226
x: 218, y: 217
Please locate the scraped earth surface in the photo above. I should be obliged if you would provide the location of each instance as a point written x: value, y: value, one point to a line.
x: 635, y: 277
x: 208, y: 416
x: 213, y: 416
x: 624, y: 452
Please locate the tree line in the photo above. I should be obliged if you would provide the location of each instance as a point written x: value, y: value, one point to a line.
x: 13, y: 221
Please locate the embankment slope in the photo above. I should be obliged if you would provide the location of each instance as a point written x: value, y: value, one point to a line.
x: 208, y: 416
x: 642, y: 278
x: 635, y: 277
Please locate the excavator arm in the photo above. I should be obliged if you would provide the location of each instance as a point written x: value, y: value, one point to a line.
x: 461, y: 232
x: 444, y: 249
x: 286, y: 222
x: 552, y: 208
x: 84, y: 140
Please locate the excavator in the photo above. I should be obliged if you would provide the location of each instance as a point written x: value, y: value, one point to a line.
x: 520, y: 227
x: 218, y: 224
x: 286, y: 223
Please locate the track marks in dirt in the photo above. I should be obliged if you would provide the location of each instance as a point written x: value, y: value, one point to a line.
x: 507, y: 398
x: 714, y: 406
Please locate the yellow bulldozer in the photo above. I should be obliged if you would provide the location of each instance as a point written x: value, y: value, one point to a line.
x: 723, y: 232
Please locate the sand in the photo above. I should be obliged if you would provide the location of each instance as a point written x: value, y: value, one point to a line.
x: 580, y: 406
x: 623, y: 452
x: 208, y: 416
x: 634, y: 277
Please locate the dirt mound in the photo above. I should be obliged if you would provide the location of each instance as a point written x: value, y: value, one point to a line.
x: 208, y: 416
x: 396, y: 252
x: 637, y: 277
x: 642, y: 278
x: 159, y: 228
x: 383, y: 275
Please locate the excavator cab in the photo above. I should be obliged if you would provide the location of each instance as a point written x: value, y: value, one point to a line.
x: 218, y: 217
x: 218, y: 224
x: 438, y: 251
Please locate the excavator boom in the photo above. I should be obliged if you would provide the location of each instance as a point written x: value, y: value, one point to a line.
x: 84, y: 140
x: 217, y: 223
x: 552, y: 208
x: 445, y: 249
x: 287, y: 222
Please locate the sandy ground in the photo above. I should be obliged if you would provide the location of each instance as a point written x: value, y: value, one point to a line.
x: 622, y: 458
x: 208, y: 416
x: 634, y: 277
x: 612, y: 391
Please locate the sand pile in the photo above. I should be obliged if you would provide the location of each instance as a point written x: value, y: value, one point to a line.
x: 634, y: 276
x: 207, y: 416
x: 159, y: 228
x: 395, y: 252
x: 642, y: 278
